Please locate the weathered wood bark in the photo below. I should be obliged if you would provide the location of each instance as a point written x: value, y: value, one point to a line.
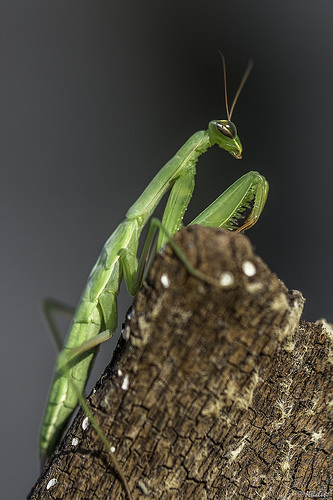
x: 213, y: 393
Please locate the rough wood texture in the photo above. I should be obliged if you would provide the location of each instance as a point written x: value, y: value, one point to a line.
x: 213, y: 393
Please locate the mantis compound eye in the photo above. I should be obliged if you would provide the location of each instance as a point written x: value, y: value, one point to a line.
x: 227, y: 128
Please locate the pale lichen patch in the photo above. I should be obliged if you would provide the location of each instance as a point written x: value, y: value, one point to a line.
x: 254, y: 287
x: 280, y: 303
x: 284, y: 408
x: 126, y: 332
x: 130, y: 314
x: 227, y: 279
x: 75, y: 441
x: 293, y: 318
x: 293, y: 307
x: 85, y: 423
x: 286, y: 385
x: 233, y: 454
x: 285, y: 466
x: 231, y: 392
x: 212, y: 409
x: 285, y: 462
x: 317, y: 436
x: 248, y: 268
x: 311, y: 410
x: 143, y: 487
x: 328, y: 327
x: 51, y: 483
x: 289, y: 346
x: 165, y: 280
x: 125, y: 384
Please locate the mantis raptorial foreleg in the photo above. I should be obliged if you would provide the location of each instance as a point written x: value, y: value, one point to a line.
x: 97, y: 309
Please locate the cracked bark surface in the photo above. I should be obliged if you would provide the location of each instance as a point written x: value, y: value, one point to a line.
x: 214, y: 392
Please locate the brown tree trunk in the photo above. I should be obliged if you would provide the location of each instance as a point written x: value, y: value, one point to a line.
x: 214, y: 392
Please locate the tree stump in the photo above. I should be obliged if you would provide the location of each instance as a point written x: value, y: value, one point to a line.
x: 213, y: 392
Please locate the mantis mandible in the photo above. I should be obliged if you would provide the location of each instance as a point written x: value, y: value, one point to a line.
x: 97, y: 309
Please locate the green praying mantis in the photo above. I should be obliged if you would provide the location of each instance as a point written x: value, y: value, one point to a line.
x: 95, y: 318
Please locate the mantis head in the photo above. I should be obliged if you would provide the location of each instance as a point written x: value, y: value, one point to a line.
x: 224, y: 134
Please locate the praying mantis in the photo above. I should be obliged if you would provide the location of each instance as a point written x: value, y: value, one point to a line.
x: 95, y: 318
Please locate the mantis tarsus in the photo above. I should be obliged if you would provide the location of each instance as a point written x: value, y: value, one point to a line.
x: 97, y: 309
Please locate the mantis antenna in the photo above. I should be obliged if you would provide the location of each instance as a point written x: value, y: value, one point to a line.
x: 241, y: 85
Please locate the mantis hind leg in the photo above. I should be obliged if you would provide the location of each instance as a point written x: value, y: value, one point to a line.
x: 52, y: 306
x: 49, y: 308
x: 114, y: 462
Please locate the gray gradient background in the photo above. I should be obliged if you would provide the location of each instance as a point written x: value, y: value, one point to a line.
x: 95, y: 98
